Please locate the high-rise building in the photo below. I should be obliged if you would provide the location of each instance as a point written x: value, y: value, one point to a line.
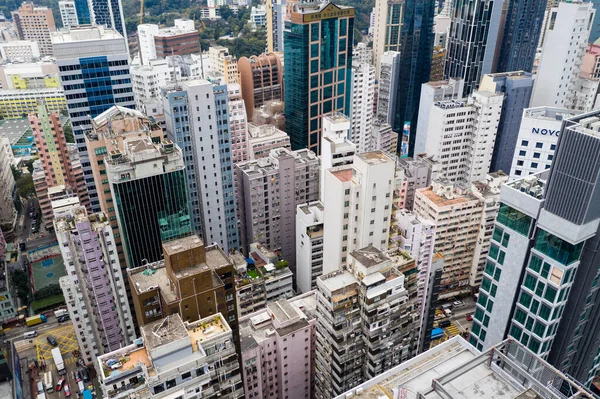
x: 318, y: 69
x: 355, y: 342
x: 543, y: 259
x: 264, y: 138
x: 268, y: 191
x: 80, y: 54
x: 464, y: 152
x: 361, y: 111
x: 8, y: 212
x: 197, y: 115
x: 261, y: 79
x: 261, y: 278
x: 276, y: 16
x: 309, y: 245
x: 150, y: 196
x: 520, y: 35
x: 416, y: 51
x: 35, y: 24
x: 224, y: 66
x: 415, y: 174
x: 155, y: 42
x: 109, y: 130
x: 456, y: 214
x: 107, y: 13
x: 68, y: 13
x: 516, y: 87
x: 537, y: 139
x: 94, y: 287
x: 278, y: 348
x: 468, y: 58
x: 431, y: 93
x: 595, y: 31
x: 565, y: 44
x: 358, y: 199
x: 389, y: 73
x: 193, y: 281
x: 508, y: 370
x: 336, y: 148
x: 387, y: 30
x: 82, y: 7
x: 59, y: 169
x: 16, y: 103
x: 148, y: 81
x: 238, y: 123
x: 172, y: 357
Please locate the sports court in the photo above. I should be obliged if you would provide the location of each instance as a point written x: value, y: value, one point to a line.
x: 47, y: 267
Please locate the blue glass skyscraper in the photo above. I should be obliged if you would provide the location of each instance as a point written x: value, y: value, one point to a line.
x: 82, y: 9
x: 415, y: 65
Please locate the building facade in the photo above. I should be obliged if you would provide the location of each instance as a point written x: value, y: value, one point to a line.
x: 264, y: 138
x: 361, y: 111
x: 35, y: 24
x: 150, y: 193
x: 261, y: 79
x: 68, y: 13
x: 318, y: 70
x: 93, y: 65
x: 387, y: 31
x: 156, y: 42
x: 108, y: 13
x: 536, y: 142
x: 268, y: 191
x: 20, y: 50
x: 7, y: 186
x: 309, y: 245
x: 516, y: 87
x: 565, y: 44
x: 467, y: 58
x: 94, y: 287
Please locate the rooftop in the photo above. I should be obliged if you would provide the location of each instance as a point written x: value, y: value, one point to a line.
x: 182, y: 245
x: 442, y: 201
x: 84, y: 33
x: 369, y: 256
x: 164, y: 331
x: 15, y: 130
x: 344, y: 175
x: 375, y: 157
x: 549, y: 113
x: 455, y: 369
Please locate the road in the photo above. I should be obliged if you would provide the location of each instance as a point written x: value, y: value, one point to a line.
x: 28, y: 220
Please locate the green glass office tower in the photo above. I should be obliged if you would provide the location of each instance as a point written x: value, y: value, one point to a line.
x: 318, y: 69
x: 150, y: 194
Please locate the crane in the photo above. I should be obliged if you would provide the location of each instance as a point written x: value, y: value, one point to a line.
x: 141, y: 12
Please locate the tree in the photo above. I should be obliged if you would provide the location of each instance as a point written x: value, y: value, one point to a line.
x: 68, y: 130
x: 226, y: 13
x: 25, y: 186
x: 20, y: 280
x: 16, y: 172
x: 29, y: 165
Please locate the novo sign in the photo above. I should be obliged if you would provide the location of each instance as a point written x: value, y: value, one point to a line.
x: 545, y: 132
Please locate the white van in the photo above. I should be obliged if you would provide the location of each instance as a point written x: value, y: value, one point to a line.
x: 81, y: 387
x: 30, y: 334
x: 40, y: 387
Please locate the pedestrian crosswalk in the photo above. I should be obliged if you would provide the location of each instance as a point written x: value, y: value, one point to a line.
x: 452, y: 330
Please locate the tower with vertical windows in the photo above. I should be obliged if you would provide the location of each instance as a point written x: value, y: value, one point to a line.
x: 318, y: 69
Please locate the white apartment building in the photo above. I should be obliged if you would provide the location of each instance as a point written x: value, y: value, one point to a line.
x: 537, y: 140
x: 264, y: 138
x: 309, y: 245
x: 432, y: 92
x: 7, y: 184
x: 361, y: 53
x: 93, y: 288
x: 456, y: 215
x: 417, y: 237
x: 68, y: 13
x: 383, y: 138
x: 20, y: 50
x: 361, y: 111
x: 146, y: 33
x: 565, y: 43
x: 148, y: 80
x: 358, y: 199
x: 175, y: 359
x: 278, y: 349
x: 336, y: 148
x: 461, y: 135
x: 156, y: 42
x: 258, y: 15
x: 238, y: 123
x: 223, y: 64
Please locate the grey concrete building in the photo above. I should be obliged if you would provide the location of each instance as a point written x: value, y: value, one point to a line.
x: 544, y: 258
x: 267, y: 193
x: 517, y: 87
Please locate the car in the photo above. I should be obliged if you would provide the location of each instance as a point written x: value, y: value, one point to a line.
x: 85, y: 375
x: 469, y: 317
x: 457, y: 304
x: 51, y: 340
x: 67, y: 390
x: 63, y: 318
x: 59, y: 384
x: 22, y: 246
x: 77, y: 376
x: 446, y: 306
x: 444, y: 323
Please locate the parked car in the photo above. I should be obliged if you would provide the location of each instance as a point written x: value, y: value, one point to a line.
x: 67, y: 390
x: 469, y: 317
x: 64, y: 318
x: 446, y: 306
x: 457, y: 304
x: 444, y: 323
x: 85, y: 375
x: 51, y: 340
x: 59, y: 384
x: 77, y: 376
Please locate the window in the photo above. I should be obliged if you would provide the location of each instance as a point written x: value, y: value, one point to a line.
x: 534, y: 164
x: 550, y: 294
x: 505, y: 240
x: 516, y: 332
x: 539, y: 329
x: 520, y: 316
x: 545, y: 270
x: 525, y: 299
x: 535, y: 263
x: 536, y: 155
x: 539, y: 145
x: 556, y: 275
x: 544, y: 312
x: 522, y: 153
x: 540, y: 288
x: 530, y: 282
x: 524, y: 143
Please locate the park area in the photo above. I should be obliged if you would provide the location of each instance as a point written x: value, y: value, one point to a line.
x: 47, y: 267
